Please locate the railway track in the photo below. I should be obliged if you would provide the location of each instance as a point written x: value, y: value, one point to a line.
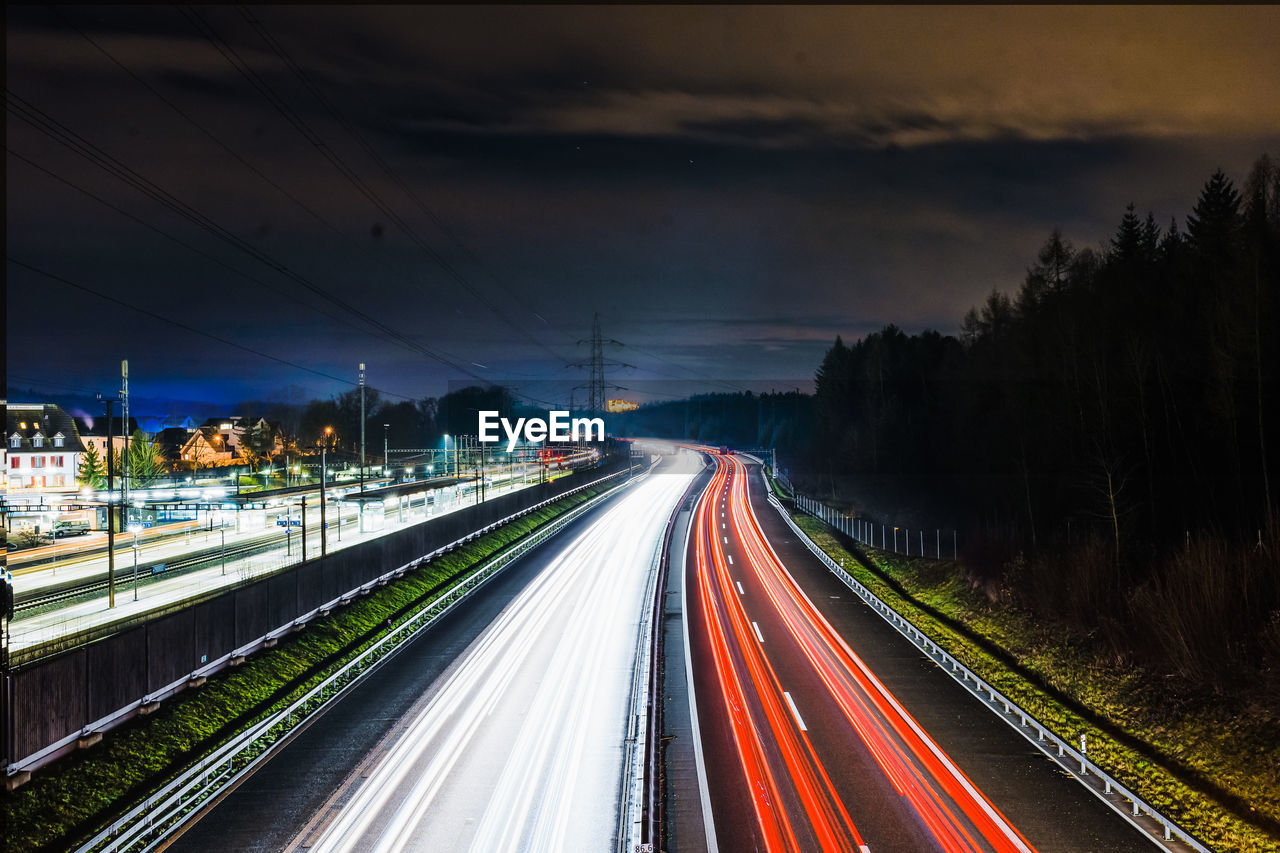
x: 74, y: 591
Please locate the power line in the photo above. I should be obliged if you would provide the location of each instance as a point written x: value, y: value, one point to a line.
x: 198, y: 126
x: 70, y: 139
x: 178, y: 323
x: 179, y: 241
x: 391, y: 173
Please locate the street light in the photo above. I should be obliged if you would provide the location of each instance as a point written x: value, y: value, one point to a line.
x: 324, y: 531
x: 386, y: 457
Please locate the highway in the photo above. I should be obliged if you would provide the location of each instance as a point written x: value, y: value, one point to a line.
x: 505, y: 733
x: 810, y: 746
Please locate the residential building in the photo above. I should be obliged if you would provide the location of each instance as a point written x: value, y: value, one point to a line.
x: 93, y: 433
x: 42, y: 448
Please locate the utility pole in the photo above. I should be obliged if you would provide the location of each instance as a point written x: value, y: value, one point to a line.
x: 124, y: 428
x: 362, y: 426
x: 386, y: 454
x: 111, y: 511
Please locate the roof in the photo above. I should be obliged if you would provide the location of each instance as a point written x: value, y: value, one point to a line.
x: 99, y: 427
x: 170, y: 441
x: 216, y: 423
x: 26, y: 420
x: 171, y: 436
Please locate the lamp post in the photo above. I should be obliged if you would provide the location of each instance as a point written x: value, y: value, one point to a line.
x: 111, y: 511
x: 135, y: 564
x: 324, y: 530
x: 446, y: 454
x: 361, y: 436
x: 386, y: 455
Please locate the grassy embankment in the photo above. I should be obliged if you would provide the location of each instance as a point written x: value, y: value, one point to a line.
x: 1204, y: 764
x: 68, y: 800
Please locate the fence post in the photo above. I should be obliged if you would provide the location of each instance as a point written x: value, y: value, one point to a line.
x: 938, y: 534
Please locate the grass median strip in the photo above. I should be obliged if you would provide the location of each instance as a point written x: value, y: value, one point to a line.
x: 69, y: 800
x: 1205, y: 765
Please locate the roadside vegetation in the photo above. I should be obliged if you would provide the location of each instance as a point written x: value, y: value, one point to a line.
x: 1210, y: 763
x: 68, y: 801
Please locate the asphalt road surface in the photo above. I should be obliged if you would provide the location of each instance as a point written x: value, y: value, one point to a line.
x: 500, y: 728
x: 822, y: 728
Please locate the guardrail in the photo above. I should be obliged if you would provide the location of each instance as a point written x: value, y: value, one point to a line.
x: 642, y: 773
x: 151, y: 822
x: 863, y: 530
x: 631, y: 815
x: 1161, y: 830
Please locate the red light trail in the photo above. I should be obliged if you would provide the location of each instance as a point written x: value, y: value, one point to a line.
x: 794, y: 799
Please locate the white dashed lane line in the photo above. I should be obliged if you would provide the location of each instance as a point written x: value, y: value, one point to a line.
x: 795, y: 710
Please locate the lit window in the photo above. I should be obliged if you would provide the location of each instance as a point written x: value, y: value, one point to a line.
x: 23, y: 424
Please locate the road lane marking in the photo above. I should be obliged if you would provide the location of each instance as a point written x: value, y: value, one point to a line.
x: 760, y: 637
x: 726, y: 540
x: 741, y: 591
x: 729, y: 557
x: 722, y: 525
x: 795, y: 711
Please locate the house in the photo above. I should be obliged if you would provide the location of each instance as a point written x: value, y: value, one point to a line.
x: 221, y: 441
x: 42, y: 448
x: 207, y: 448
x: 170, y: 442
x: 93, y: 433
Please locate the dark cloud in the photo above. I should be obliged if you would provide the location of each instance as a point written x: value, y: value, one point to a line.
x: 730, y: 187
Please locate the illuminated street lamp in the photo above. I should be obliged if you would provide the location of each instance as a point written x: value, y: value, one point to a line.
x: 324, y: 531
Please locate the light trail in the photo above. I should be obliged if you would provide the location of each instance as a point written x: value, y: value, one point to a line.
x: 956, y: 815
x: 520, y: 745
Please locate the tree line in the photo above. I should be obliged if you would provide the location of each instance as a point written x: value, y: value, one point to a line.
x: 1122, y: 400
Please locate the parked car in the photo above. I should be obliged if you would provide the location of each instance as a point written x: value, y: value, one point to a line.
x: 69, y: 528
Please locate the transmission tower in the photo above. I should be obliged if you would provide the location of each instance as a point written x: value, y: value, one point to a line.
x: 596, y: 386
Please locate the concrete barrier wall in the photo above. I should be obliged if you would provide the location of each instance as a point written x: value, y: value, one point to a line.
x: 56, y: 697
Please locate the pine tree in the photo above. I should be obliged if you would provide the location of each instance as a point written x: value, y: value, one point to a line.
x: 145, y: 464
x: 1214, y: 225
x: 1126, y: 246
x: 92, y: 473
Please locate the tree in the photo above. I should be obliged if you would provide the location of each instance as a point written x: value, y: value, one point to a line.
x: 145, y: 462
x: 93, y: 474
x: 262, y: 443
x: 1126, y: 246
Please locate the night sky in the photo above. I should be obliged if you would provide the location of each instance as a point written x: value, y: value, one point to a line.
x: 450, y: 193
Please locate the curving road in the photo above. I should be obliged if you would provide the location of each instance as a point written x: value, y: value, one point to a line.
x: 519, y: 746
x: 808, y: 743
